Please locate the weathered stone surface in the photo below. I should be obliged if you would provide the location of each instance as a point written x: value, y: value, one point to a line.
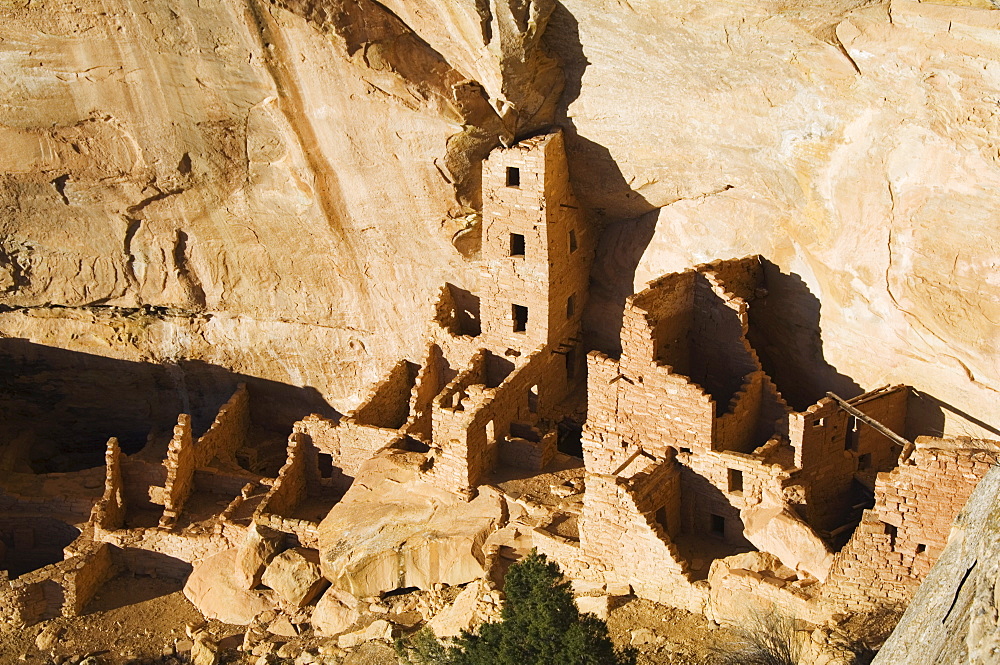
x: 335, y: 612
x: 953, y: 616
x: 254, y: 553
x: 295, y: 576
x: 599, y: 606
x: 297, y: 230
x: 377, y: 630
x: 212, y: 588
x: 780, y: 532
x: 392, y: 530
x: 461, y: 614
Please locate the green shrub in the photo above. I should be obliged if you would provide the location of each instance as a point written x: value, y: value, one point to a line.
x: 539, y: 625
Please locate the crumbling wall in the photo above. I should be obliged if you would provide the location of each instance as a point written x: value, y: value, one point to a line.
x: 347, y: 443
x: 180, y: 465
x: 632, y: 547
x: 900, y: 538
x: 434, y: 375
x: 648, y: 408
x: 388, y: 404
x: 738, y: 428
x: 290, y: 488
x: 656, y: 324
x: 227, y: 433
x: 830, y: 447
x: 109, y: 512
x: 63, y: 588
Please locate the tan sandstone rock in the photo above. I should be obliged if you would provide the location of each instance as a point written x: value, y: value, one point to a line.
x: 336, y: 611
x: 211, y: 588
x: 778, y: 531
x: 295, y: 576
x: 253, y: 554
x: 462, y: 614
x: 392, y: 530
x: 377, y: 630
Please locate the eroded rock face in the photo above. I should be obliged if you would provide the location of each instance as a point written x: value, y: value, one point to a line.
x: 392, y: 530
x: 280, y: 186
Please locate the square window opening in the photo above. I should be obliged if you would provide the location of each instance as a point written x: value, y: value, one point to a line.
x: 819, y: 422
x: 513, y: 176
x: 520, y: 316
x: 325, y: 463
x: 735, y: 481
x: 571, y: 306
x: 517, y: 244
x: 718, y: 525
x: 921, y: 548
x: 572, y: 241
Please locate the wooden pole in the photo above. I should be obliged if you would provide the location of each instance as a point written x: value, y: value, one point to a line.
x: 871, y: 422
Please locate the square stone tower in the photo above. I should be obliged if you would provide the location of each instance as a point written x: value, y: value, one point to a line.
x: 536, y: 250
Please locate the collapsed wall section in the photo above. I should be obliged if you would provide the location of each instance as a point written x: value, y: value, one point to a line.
x: 904, y: 534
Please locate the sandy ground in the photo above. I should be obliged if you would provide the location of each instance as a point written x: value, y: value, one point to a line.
x: 137, y: 620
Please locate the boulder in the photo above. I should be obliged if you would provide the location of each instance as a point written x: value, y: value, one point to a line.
x: 335, y: 612
x: 393, y: 530
x: 461, y: 615
x: 295, y: 576
x: 378, y: 630
x: 212, y: 588
x: 599, y: 606
x: 259, y: 546
x: 777, y: 530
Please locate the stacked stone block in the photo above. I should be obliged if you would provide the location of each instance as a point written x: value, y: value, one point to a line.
x: 903, y: 535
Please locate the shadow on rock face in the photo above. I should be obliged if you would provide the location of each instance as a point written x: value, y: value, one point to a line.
x: 60, y: 407
x: 785, y: 332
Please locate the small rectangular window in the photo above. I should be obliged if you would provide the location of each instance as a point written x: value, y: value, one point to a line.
x: 325, y: 462
x: 921, y: 548
x: 571, y: 306
x: 718, y: 525
x: 513, y: 176
x: 819, y: 422
x: 572, y: 241
x: 516, y: 244
x: 735, y: 481
x: 520, y: 316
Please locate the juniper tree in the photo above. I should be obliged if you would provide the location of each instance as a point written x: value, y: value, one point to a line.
x: 539, y: 625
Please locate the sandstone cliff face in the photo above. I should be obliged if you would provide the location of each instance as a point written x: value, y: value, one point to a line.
x: 281, y: 188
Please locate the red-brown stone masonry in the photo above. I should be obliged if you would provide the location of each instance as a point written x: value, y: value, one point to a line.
x: 654, y: 410
x: 466, y: 451
x: 109, y: 512
x: 904, y: 534
x: 228, y: 431
x: 180, y: 465
x: 388, y: 404
x: 543, y: 210
x: 819, y: 436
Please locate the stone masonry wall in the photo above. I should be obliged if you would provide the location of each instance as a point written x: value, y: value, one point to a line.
x: 228, y: 431
x: 903, y: 535
x: 536, y: 247
x: 822, y: 439
x: 388, y: 404
x: 109, y: 512
x: 180, y: 465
